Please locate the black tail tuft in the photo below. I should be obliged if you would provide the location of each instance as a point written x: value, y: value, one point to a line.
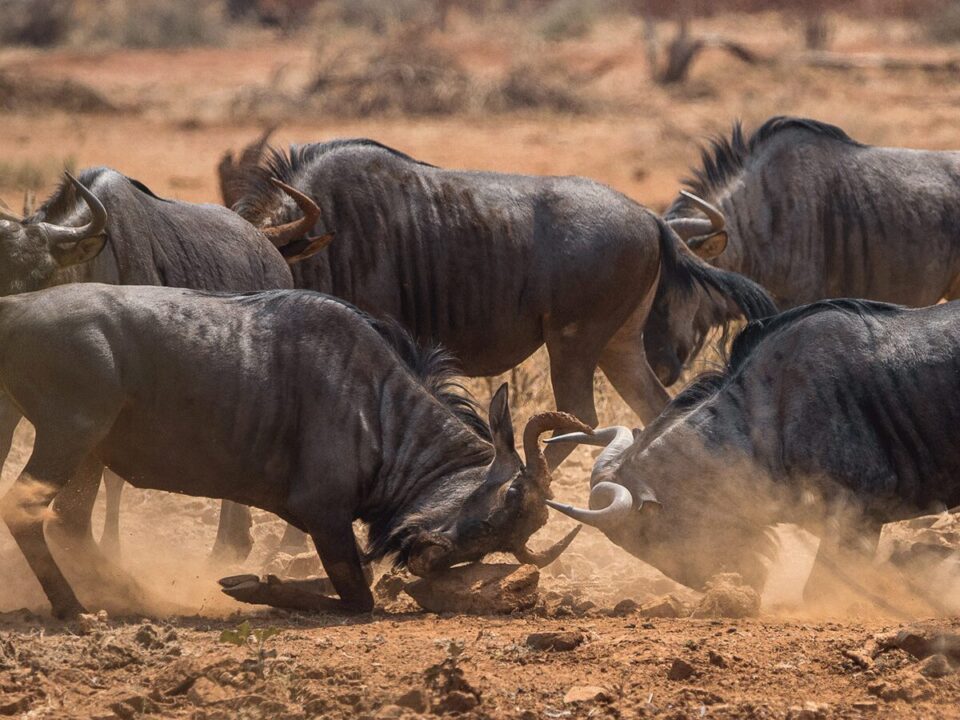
x: 684, y: 270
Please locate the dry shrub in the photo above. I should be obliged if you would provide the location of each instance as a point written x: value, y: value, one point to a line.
x: 529, y: 86
x: 35, y: 22
x: 942, y: 23
x: 33, y: 174
x: 379, y: 16
x: 22, y: 93
x: 149, y: 24
x: 404, y: 75
x: 567, y: 19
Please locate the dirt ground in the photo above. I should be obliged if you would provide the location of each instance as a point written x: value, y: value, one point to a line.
x: 176, y: 115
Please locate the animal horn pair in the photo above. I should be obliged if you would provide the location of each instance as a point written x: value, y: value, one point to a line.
x: 689, y: 228
x: 610, y: 503
x: 283, y: 235
x: 536, y: 465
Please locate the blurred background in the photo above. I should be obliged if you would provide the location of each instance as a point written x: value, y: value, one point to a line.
x: 620, y: 90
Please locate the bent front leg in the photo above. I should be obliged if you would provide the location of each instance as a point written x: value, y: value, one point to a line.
x: 340, y: 556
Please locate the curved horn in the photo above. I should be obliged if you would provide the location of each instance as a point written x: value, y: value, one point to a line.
x: 690, y: 227
x: 536, y: 426
x: 56, y: 234
x: 615, y: 440
x: 542, y: 559
x: 283, y: 234
x: 610, y: 506
x: 717, y: 221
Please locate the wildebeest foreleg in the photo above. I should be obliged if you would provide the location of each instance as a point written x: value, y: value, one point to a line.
x: 340, y: 557
x: 571, y: 374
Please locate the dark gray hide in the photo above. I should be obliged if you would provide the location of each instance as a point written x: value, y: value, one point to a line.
x: 149, y: 241
x: 289, y: 401
x: 837, y: 407
x: 493, y: 266
x: 812, y: 214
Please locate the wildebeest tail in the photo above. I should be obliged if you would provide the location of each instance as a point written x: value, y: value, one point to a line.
x: 682, y: 270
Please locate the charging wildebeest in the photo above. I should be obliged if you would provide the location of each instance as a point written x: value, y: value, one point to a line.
x: 493, y: 265
x: 148, y: 241
x: 852, y: 403
x: 812, y: 214
x: 290, y: 401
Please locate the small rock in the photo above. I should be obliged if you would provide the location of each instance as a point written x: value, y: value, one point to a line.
x: 205, y: 692
x: 415, y: 699
x: 680, y: 670
x: 389, y: 712
x: 14, y: 704
x: 936, y: 666
x: 390, y: 585
x: 478, y: 589
x: 176, y: 678
x: 809, y: 711
x: 716, y: 659
x: 133, y: 706
x: 586, y: 694
x: 89, y: 623
x: 625, y: 607
x: 557, y: 641
x: 148, y: 637
x: 667, y: 606
x: 866, y: 705
x: 909, y: 688
x: 456, y: 701
x: 728, y: 597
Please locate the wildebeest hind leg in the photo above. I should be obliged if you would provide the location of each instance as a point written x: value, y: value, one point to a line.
x: 234, y: 541
x: 625, y: 364
x: 110, y: 540
x: 26, y: 505
x: 9, y: 417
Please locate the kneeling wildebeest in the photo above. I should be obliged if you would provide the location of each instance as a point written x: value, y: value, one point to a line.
x: 812, y: 214
x: 134, y: 237
x: 289, y: 401
x: 842, y: 405
x: 493, y: 265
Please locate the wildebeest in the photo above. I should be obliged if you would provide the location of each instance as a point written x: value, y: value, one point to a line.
x: 148, y: 241
x: 812, y: 214
x: 289, y: 401
x: 851, y: 404
x: 493, y: 265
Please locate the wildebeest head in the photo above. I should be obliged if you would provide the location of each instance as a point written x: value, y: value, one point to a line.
x: 32, y: 252
x: 501, y: 512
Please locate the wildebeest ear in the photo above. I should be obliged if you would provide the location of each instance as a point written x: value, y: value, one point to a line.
x: 73, y: 253
x: 501, y: 424
x: 707, y: 247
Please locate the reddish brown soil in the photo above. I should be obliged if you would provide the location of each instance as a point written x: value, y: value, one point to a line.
x: 788, y: 663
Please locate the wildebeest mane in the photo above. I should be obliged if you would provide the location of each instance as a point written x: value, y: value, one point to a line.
x: 723, y: 158
x: 259, y: 197
x: 436, y: 369
x: 757, y: 331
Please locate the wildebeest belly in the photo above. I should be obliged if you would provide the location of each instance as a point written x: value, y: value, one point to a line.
x: 204, y: 458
